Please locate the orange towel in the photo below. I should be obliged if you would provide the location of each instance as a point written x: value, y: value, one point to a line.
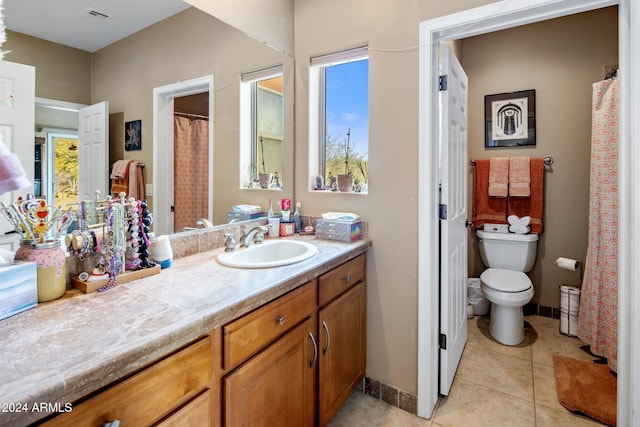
x: 486, y: 209
x: 519, y: 177
x: 498, y: 176
x: 532, y: 206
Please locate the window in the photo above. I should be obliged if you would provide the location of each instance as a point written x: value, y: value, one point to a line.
x: 339, y: 121
x: 261, y: 129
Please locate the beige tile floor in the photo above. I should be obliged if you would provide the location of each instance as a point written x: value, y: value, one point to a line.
x: 495, y: 385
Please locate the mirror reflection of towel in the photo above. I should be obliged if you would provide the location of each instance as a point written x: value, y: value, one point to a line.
x: 136, y: 182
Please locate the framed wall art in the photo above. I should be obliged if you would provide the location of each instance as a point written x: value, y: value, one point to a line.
x: 133, y: 135
x: 510, y: 119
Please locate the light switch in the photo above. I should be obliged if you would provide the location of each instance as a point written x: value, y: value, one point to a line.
x: 148, y: 191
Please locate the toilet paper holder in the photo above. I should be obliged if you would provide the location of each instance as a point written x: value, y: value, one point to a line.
x: 571, y: 265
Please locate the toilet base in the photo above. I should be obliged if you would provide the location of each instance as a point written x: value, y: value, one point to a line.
x: 507, y: 324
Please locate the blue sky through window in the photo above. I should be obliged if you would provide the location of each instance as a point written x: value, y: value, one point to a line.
x: 347, y: 104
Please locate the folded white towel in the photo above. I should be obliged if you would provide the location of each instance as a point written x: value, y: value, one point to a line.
x: 514, y: 220
x: 519, y: 229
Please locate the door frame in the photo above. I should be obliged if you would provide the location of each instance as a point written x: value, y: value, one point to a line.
x: 163, y: 146
x: 495, y: 17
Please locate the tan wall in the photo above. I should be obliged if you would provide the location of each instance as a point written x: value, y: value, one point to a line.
x: 188, y: 45
x: 391, y: 30
x: 62, y: 73
x: 560, y: 59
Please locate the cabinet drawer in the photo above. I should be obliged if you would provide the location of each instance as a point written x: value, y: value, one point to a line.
x: 248, y: 334
x: 195, y: 413
x: 338, y: 280
x: 149, y: 395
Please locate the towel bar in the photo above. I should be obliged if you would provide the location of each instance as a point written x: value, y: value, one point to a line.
x: 547, y: 161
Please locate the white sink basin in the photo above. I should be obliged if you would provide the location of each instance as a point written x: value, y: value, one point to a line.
x: 269, y: 254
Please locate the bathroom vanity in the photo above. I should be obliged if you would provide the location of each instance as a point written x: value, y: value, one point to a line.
x: 199, y: 344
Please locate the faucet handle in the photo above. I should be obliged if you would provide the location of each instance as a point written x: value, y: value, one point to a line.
x: 260, y: 236
x: 229, y: 243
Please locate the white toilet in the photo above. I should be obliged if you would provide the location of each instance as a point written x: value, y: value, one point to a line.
x: 505, y: 283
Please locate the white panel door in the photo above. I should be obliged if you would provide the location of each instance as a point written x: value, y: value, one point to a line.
x: 93, y: 151
x: 17, y: 118
x: 453, y: 218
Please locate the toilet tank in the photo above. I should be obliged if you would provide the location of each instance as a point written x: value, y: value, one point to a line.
x: 508, y: 250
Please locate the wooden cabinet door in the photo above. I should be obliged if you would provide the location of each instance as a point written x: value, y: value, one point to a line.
x: 277, y: 386
x: 342, y: 336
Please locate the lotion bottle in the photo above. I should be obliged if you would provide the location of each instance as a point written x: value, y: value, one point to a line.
x: 296, y: 217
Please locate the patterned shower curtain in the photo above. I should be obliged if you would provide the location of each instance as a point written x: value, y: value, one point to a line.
x: 190, y: 171
x: 598, y: 318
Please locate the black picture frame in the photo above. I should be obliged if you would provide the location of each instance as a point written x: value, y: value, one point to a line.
x: 510, y: 119
x: 133, y: 135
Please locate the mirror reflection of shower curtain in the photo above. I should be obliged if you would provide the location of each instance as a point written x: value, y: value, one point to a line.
x: 598, y: 318
x: 190, y: 172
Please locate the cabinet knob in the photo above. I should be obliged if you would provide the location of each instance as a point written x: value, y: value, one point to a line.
x: 347, y: 278
x: 282, y: 319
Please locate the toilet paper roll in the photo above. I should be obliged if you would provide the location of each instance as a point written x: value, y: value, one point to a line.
x: 567, y: 263
x: 569, y: 325
x: 569, y: 299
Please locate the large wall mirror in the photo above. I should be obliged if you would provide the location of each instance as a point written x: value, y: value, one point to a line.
x: 190, y: 45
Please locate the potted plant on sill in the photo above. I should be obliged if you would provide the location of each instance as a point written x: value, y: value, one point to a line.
x: 345, y: 181
x: 264, y: 177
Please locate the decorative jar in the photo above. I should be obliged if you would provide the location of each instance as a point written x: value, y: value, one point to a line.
x: 51, y: 271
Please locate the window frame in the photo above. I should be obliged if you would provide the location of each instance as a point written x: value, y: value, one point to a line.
x: 317, y: 104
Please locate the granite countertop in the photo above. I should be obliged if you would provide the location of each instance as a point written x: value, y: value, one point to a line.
x: 63, y: 350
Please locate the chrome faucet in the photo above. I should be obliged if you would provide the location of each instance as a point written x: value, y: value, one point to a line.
x: 247, y: 239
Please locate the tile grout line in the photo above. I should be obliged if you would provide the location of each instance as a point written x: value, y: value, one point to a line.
x: 533, y: 382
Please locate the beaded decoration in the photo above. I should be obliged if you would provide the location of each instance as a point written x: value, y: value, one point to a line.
x: 112, y: 247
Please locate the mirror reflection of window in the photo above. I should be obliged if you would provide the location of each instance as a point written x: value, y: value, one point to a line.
x: 56, y: 154
x: 262, y: 129
x: 65, y: 169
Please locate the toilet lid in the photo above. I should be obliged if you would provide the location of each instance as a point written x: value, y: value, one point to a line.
x: 505, y: 280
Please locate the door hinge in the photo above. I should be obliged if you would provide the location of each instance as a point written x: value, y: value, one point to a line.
x: 443, y: 83
x: 443, y: 341
x: 442, y: 211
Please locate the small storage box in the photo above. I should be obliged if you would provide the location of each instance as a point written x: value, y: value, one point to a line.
x: 345, y: 231
x: 18, y: 288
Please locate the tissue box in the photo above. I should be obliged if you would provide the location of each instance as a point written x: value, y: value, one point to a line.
x: 18, y: 288
x: 345, y: 231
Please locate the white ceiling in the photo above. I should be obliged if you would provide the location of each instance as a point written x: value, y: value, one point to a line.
x: 68, y: 22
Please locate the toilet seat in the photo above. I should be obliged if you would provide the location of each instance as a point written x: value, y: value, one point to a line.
x: 505, y: 280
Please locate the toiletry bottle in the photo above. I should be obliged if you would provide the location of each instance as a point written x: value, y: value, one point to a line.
x: 296, y: 217
x: 285, y: 208
x: 270, y: 213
